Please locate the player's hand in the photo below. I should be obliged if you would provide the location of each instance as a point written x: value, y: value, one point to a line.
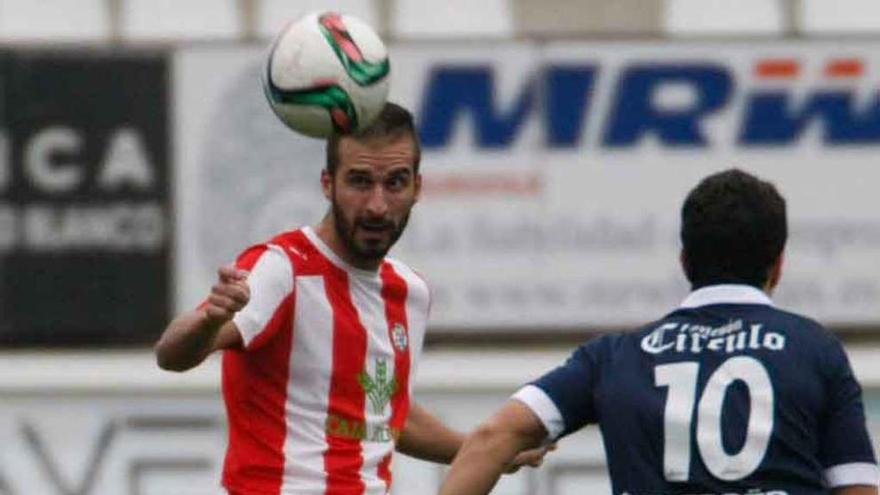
x: 228, y: 296
x: 532, y: 457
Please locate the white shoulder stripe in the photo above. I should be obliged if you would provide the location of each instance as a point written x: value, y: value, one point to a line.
x: 414, y: 281
x: 543, y: 407
x: 270, y: 281
x: 854, y: 473
x: 403, y: 269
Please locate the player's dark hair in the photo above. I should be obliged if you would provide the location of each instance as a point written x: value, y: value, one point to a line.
x: 393, y: 121
x: 733, y: 229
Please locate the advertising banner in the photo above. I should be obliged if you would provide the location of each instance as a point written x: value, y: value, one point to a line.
x: 161, y: 445
x: 129, y: 445
x: 84, y: 197
x: 554, y: 173
x: 112, y: 424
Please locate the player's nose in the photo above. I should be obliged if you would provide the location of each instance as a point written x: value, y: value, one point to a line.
x: 377, y: 203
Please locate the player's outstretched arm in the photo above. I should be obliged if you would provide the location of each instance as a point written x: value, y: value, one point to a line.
x: 191, y: 337
x: 426, y: 437
x: 489, y: 450
x: 855, y: 490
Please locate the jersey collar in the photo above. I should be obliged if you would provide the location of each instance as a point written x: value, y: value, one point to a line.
x: 725, y: 294
x: 328, y: 253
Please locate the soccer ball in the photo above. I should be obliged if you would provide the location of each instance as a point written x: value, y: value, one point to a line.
x: 327, y: 73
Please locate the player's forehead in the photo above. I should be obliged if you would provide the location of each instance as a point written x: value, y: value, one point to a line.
x: 377, y: 154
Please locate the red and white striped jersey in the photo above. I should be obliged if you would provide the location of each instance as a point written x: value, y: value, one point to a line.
x: 321, y: 390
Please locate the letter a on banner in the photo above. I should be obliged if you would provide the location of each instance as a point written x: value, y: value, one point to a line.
x: 126, y: 162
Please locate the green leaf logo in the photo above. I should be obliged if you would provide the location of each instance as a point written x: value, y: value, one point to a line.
x: 379, y: 387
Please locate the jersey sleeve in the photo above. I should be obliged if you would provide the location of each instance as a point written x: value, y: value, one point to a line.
x: 271, y: 285
x: 563, y: 399
x: 845, y: 449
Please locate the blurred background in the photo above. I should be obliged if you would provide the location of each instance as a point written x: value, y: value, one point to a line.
x: 137, y: 154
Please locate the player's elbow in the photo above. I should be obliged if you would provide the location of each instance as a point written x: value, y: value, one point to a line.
x: 168, y: 364
x: 164, y: 361
x: 167, y: 360
x: 493, y: 440
x: 486, y: 432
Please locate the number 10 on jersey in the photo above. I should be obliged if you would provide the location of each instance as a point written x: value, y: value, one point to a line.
x: 679, y: 414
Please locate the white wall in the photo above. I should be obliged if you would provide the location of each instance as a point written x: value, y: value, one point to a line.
x: 150, y: 20
x: 54, y: 20
x: 724, y: 17
x: 840, y: 16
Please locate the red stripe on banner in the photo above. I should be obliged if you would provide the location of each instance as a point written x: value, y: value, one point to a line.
x: 844, y: 68
x: 394, y: 292
x: 343, y: 458
x: 255, y: 393
x: 777, y: 68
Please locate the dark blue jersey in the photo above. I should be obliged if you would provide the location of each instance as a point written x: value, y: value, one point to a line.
x: 727, y: 394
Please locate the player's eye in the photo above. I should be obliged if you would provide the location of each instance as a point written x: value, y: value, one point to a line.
x: 360, y: 181
x: 397, y: 182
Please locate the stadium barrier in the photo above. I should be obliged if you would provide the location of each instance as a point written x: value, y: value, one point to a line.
x: 112, y: 423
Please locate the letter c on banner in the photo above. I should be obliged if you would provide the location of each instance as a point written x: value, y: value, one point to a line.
x: 38, y: 166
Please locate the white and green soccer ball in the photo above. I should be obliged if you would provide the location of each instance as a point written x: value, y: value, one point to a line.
x: 327, y: 73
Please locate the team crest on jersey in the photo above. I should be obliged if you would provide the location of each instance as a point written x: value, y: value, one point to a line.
x: 399, y: 337
x: 379, y: 387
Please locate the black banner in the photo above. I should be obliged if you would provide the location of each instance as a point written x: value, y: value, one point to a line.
x: 85, y: 219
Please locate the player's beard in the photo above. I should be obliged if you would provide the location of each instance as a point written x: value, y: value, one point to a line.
x: 362, y: 251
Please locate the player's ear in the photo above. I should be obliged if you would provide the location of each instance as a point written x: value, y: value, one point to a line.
x: 775, y: 274
x: 685, y: 266
x: 417, y: 182
x: 682, y: 260
x: 327, y: 184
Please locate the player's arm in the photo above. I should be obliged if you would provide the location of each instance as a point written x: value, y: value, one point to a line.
x: 491, y: 448
x: 855, y: 490
x: 191, y: 337
x: 426, y: 437
x: 845, y: 447
x: 558, y: 403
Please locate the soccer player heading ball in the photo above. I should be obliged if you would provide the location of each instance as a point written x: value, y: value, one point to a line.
x: 321, y: 331
x: 724, y: 395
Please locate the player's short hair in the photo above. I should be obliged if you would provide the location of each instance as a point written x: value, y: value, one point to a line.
x: 393, y: 121
x: 733, y: 229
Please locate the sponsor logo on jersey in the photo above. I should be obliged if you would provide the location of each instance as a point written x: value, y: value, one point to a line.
x: 356, y: 429
x: 729, y: 338
x: 398, y: 337
x: 379, y: 387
